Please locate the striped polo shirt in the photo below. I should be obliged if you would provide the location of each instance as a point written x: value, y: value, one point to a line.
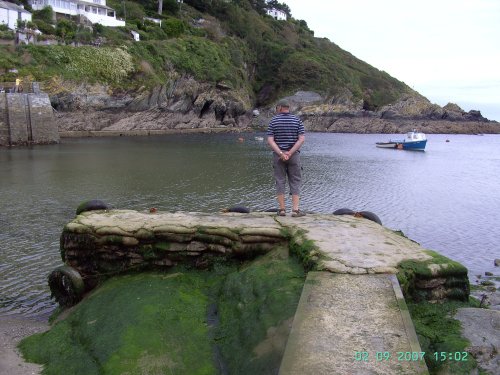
x: 285, y: 128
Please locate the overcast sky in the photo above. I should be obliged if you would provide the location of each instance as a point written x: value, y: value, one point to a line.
x: 447, y: 50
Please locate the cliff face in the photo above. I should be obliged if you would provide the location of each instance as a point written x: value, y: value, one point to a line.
x: 182, y: 104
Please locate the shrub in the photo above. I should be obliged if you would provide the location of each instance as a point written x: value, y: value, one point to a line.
x: 133, y: 11
x: 83, y: 36
x: 66, y: 29
x: 46, y: 15
x: 173, y: 27
x: 7, y: 35
x: 105, y: 64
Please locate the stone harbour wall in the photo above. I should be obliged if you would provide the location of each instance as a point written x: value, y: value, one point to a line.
x: 43, y: 127
x: 18, y: 119
x: 116, y: 247
x: 26, y: 119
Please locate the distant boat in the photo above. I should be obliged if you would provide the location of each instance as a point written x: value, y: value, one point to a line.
x: 414, y: 141
x: 260, y: 139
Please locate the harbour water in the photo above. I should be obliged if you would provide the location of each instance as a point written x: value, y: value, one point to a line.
x: 446, y: 198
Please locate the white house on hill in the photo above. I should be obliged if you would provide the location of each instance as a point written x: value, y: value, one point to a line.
x: 11, y: 13
x: 95, y: 11
x: 277, y: 14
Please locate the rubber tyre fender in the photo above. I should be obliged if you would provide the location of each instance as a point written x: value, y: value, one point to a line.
x: 370, y: 216
x: 66, y: 285
x: 91, y: 206
x: 240, y: 209
x: 344, y: 211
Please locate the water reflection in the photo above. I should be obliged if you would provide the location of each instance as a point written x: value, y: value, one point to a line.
x: 442, y: 198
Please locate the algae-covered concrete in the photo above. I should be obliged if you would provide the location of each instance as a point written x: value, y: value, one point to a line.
x: 352, y: 317
x: 231, y: 319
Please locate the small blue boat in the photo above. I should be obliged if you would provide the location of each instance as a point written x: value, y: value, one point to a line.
x: 414, y: 141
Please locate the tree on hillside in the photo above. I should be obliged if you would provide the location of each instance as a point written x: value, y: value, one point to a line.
x: 259, y: 5
x: 171, y: 6
x: 201, y: 5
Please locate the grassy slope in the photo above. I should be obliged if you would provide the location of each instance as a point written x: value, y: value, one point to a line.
x: 237, y: 45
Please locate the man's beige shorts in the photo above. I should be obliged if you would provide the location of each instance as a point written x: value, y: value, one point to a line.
x: 291, y: 169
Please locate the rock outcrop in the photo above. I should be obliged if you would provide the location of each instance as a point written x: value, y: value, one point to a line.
x: 183, y: 104
x: 482, y: 328
x: 342, y: 115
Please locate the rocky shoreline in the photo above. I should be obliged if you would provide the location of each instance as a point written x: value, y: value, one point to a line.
x: 188, y: 105
x: 75, y: 124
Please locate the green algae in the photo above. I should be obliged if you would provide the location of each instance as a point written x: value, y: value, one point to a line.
x: 256, y: 306
x: 438, y: 332
x: 152, y: 251
x: 439, y: 266
x: 126, y: 320
x: 162, y: 246
x: 436, y: 329
x: 160, y: 323
x: 304, y: 249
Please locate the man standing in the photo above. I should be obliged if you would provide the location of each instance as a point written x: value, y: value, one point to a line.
x: 285, y: 136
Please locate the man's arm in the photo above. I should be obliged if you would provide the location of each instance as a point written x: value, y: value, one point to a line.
x: 297, y: 145
x: 274, y: 146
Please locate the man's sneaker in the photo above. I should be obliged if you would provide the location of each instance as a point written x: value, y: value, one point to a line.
x: 282, y: 212
x: 298, y: 213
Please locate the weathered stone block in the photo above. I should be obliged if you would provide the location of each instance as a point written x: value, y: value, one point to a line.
x: 4, y: 126
x: 430, y: 284
x: 41, y: 117
x: 18, y: 118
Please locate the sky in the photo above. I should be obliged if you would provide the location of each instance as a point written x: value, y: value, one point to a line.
x: 447, y: 50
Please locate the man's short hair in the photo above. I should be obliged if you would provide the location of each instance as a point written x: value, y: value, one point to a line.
x: 283, y: 103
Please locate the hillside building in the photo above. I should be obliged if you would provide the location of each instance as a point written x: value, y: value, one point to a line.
x: 11, y: 13
x: 276, y: 14
x: 96, y: 11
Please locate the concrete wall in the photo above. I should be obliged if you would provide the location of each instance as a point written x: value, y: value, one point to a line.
x: 26, y: 119
x: 4, y: 128
x: 18, y: 120
x: 43, y: 127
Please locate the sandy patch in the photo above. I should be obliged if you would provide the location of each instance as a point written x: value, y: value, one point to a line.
x: 13, y: 330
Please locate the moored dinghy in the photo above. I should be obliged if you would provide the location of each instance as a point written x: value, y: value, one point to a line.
x: 414, y: 141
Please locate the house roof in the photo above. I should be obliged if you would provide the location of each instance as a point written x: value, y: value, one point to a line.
x: 11, y: 6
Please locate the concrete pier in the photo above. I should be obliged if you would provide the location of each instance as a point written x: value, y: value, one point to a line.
x: 351, y: 318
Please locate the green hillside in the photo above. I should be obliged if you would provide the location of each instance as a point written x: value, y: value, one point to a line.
x: 220, y: 41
